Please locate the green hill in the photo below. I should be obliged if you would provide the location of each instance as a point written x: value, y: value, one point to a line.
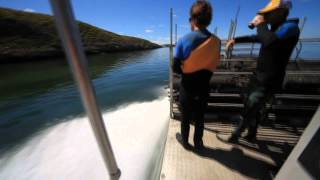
x: 25, y: 36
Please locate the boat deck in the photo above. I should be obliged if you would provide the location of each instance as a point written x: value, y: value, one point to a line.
x: 219, y: 160
x: 285, y: 118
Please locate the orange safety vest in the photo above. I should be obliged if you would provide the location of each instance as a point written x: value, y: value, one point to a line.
x: 205, y: 57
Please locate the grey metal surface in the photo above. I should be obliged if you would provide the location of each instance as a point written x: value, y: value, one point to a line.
x: 70, y: 36
x: 292, y: 168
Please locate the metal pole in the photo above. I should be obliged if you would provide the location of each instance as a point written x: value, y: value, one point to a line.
x: 252, y: 48
x: 231, y: 30
x: 70, y: 36
x: 176, y: 34
x: 216, y: 31
x: 298, y: 49
x: 235, y: 24
x: 170, y: 65
x: 303, y: 24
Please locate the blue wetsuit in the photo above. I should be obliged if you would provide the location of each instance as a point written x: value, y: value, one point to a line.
x: 194, y: 87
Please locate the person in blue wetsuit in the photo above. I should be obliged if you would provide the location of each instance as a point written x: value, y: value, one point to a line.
x: 277, y: 45
x: 197, y: 55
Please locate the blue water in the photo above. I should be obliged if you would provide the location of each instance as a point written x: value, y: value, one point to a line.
x: 38, y: 95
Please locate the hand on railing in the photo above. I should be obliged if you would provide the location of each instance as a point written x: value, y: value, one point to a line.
x: 229, y: 45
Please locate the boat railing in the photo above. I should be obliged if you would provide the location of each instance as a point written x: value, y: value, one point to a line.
x: 69, y: 33
x: 171, y: 62
x: 249, y: 49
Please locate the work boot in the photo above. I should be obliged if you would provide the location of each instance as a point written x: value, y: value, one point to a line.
x: 252, y: 133
x: 228, y: 139
x: 198, y: 145
x: 183, y: 142
x: 250, y: 137
x: 186, y: 145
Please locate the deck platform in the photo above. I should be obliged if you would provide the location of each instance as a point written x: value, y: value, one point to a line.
x: 219, y: 160
x: 284, y: 119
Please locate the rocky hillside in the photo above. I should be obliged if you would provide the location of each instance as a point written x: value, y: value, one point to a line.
x: 25, y: 36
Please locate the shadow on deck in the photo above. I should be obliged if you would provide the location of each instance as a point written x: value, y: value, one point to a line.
x: 260, y: 159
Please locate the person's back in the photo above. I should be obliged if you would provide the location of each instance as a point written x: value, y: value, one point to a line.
x: 196, y: 57
x: 275, y: 53
x: 198, y: 81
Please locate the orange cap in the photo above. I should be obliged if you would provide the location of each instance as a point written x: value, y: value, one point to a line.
x: 275, y: 4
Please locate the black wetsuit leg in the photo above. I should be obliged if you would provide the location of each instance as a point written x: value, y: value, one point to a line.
x: 254, y: 102
x: 194, y: 92
x: 200, y: 106
x: 185, y: 101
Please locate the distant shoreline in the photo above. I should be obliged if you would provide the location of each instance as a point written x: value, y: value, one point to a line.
x: 62, y: 56
x: 33, y: 37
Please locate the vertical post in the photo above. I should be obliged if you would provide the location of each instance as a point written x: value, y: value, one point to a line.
x: 299, y: 49
x: 234, y: 29
x: 251, y: 51
x: 216, y: 31
x: 235, y: 23
x: 176, y: 34
x: 303, y: 23
x: 70, y: 36
x: 170, y: 65
x: 231, y: 30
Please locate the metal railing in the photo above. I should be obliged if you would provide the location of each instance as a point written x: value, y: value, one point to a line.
x: 250, y: 49
x: 170, y: 64
x: 70, y: 36
x: 232, y: 31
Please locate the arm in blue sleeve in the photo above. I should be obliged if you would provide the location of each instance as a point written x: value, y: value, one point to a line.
x: 268, y: 37
x: 178, y: 57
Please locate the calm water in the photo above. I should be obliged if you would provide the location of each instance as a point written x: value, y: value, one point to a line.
x: 37, y: 95
x: 44, y: 133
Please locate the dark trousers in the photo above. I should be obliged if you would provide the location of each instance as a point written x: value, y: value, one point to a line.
x: 192, y: 107
x: 254, y: 101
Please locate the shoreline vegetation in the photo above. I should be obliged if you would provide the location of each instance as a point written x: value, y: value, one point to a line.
x: 28, y: 36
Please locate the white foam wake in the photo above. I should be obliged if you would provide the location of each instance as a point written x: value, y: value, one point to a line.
x: 69, y: 151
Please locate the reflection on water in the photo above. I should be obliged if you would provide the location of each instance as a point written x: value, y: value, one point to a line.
x: 37, y: 95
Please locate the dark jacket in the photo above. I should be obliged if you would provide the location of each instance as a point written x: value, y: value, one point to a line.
x: 277, y: 45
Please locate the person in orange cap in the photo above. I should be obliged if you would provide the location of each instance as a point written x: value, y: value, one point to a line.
x: 277, y: 45
x: 197, y: 55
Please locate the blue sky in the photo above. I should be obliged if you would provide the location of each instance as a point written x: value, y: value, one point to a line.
x: 149, y: 19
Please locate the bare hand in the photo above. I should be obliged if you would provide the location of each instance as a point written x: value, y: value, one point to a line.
x: 230, y: 44
x: 259, y: 19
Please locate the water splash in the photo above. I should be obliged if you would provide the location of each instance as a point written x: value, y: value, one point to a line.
x: 69, y: 151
